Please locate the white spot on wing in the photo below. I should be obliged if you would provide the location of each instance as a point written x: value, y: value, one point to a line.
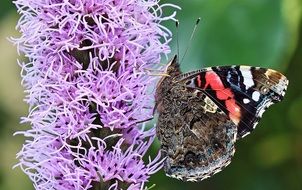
x: 256, y: 96
x: 246, y: 101
x: 247, y: 77
x: 283, y: 93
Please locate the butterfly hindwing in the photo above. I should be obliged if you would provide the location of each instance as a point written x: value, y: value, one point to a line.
x: 242, y: 92
x: 197, y: 137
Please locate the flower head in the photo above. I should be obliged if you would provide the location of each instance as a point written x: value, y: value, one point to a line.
x: 87, y: 89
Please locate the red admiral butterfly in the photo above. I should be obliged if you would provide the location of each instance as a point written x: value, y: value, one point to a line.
x: 202, y: 113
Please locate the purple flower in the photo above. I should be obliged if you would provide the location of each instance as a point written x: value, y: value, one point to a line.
x: 87, y: 91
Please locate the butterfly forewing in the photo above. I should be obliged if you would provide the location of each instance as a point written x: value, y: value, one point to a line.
x: 242, y: 92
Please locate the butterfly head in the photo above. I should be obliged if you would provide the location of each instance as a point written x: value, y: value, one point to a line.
x: 173, y: 68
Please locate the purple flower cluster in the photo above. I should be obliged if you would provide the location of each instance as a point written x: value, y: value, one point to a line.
x: 87, y: 91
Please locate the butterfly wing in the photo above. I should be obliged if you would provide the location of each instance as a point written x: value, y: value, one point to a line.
x: 197, y: 138
x: 242, y: 92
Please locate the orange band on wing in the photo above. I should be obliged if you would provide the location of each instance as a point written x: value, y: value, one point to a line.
x: 223, y: 94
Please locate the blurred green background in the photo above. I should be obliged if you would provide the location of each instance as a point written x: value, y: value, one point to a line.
x: 265, y: 33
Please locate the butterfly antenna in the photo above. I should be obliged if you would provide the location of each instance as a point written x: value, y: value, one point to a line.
x: 177, y: 39
x: 191, y: 38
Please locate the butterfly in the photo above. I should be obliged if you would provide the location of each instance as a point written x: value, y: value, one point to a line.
x: 201, y: 114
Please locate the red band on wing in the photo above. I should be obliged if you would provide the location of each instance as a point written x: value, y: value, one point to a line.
x: 213, y: 80
x: 199, y: 81
x: 223, y: 94
x: 234, y: 110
